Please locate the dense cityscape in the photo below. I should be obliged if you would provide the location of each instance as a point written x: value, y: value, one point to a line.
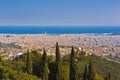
x: 98, y: 44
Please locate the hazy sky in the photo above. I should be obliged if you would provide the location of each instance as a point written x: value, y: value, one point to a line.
x: 60, y: 12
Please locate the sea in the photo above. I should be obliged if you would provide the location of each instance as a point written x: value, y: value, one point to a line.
x: 113, y: 30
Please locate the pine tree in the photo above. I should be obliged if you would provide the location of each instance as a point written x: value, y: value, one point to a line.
x: 85, y: 74
x: 91, y: 75
x: 29, y: 65
x: 73, y: 70
x: 45, y: 66
x: 58, y: 63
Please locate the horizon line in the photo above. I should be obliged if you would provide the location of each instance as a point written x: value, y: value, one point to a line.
x: 60, y: 25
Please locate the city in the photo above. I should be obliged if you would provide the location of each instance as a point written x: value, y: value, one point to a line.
x: 98, y: 44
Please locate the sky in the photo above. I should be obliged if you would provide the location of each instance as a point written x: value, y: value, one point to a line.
x: 60, y: 12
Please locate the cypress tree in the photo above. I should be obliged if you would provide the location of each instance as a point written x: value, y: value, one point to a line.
x: 45, y: 66
x: 73, y: 70
x: 29, y: 65
x: 91, y: 75
x: 108, y: 77
x: 58, y: 63
x: 85, y: 74
x: 0, y: 57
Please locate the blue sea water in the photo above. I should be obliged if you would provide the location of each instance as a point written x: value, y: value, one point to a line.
x: 58, y: 29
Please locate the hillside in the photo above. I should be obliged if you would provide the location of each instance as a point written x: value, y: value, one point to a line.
x: 9, y: 74
x: 16, y: 69
x: 101, y: 66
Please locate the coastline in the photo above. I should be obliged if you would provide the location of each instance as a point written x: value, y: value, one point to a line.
x: 60, y: 30
x: 60, y: 34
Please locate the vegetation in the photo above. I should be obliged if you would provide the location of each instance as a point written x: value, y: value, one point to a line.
x: 45, y: 66
x: 85, y: 74
x: 7, y: 73
x: 29, y: 63
x: 91, y: 74
x: 58, y: 63
x: 73, y: 68
x: 35, y: 66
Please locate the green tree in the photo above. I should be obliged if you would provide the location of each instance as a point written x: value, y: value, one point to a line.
x: 91, y: 74
x: 36, y: 60
x: 3, y: 74
x: 98, y: 77
x: 58, y: 63
x: 29, y: 65
x: 85, y: 74
x: 0, y: 56
x: 45, y: 66
x: 108, y: 76
x: 73, y: 68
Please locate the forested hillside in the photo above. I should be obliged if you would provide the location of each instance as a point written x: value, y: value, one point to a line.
x: 36, y: 66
